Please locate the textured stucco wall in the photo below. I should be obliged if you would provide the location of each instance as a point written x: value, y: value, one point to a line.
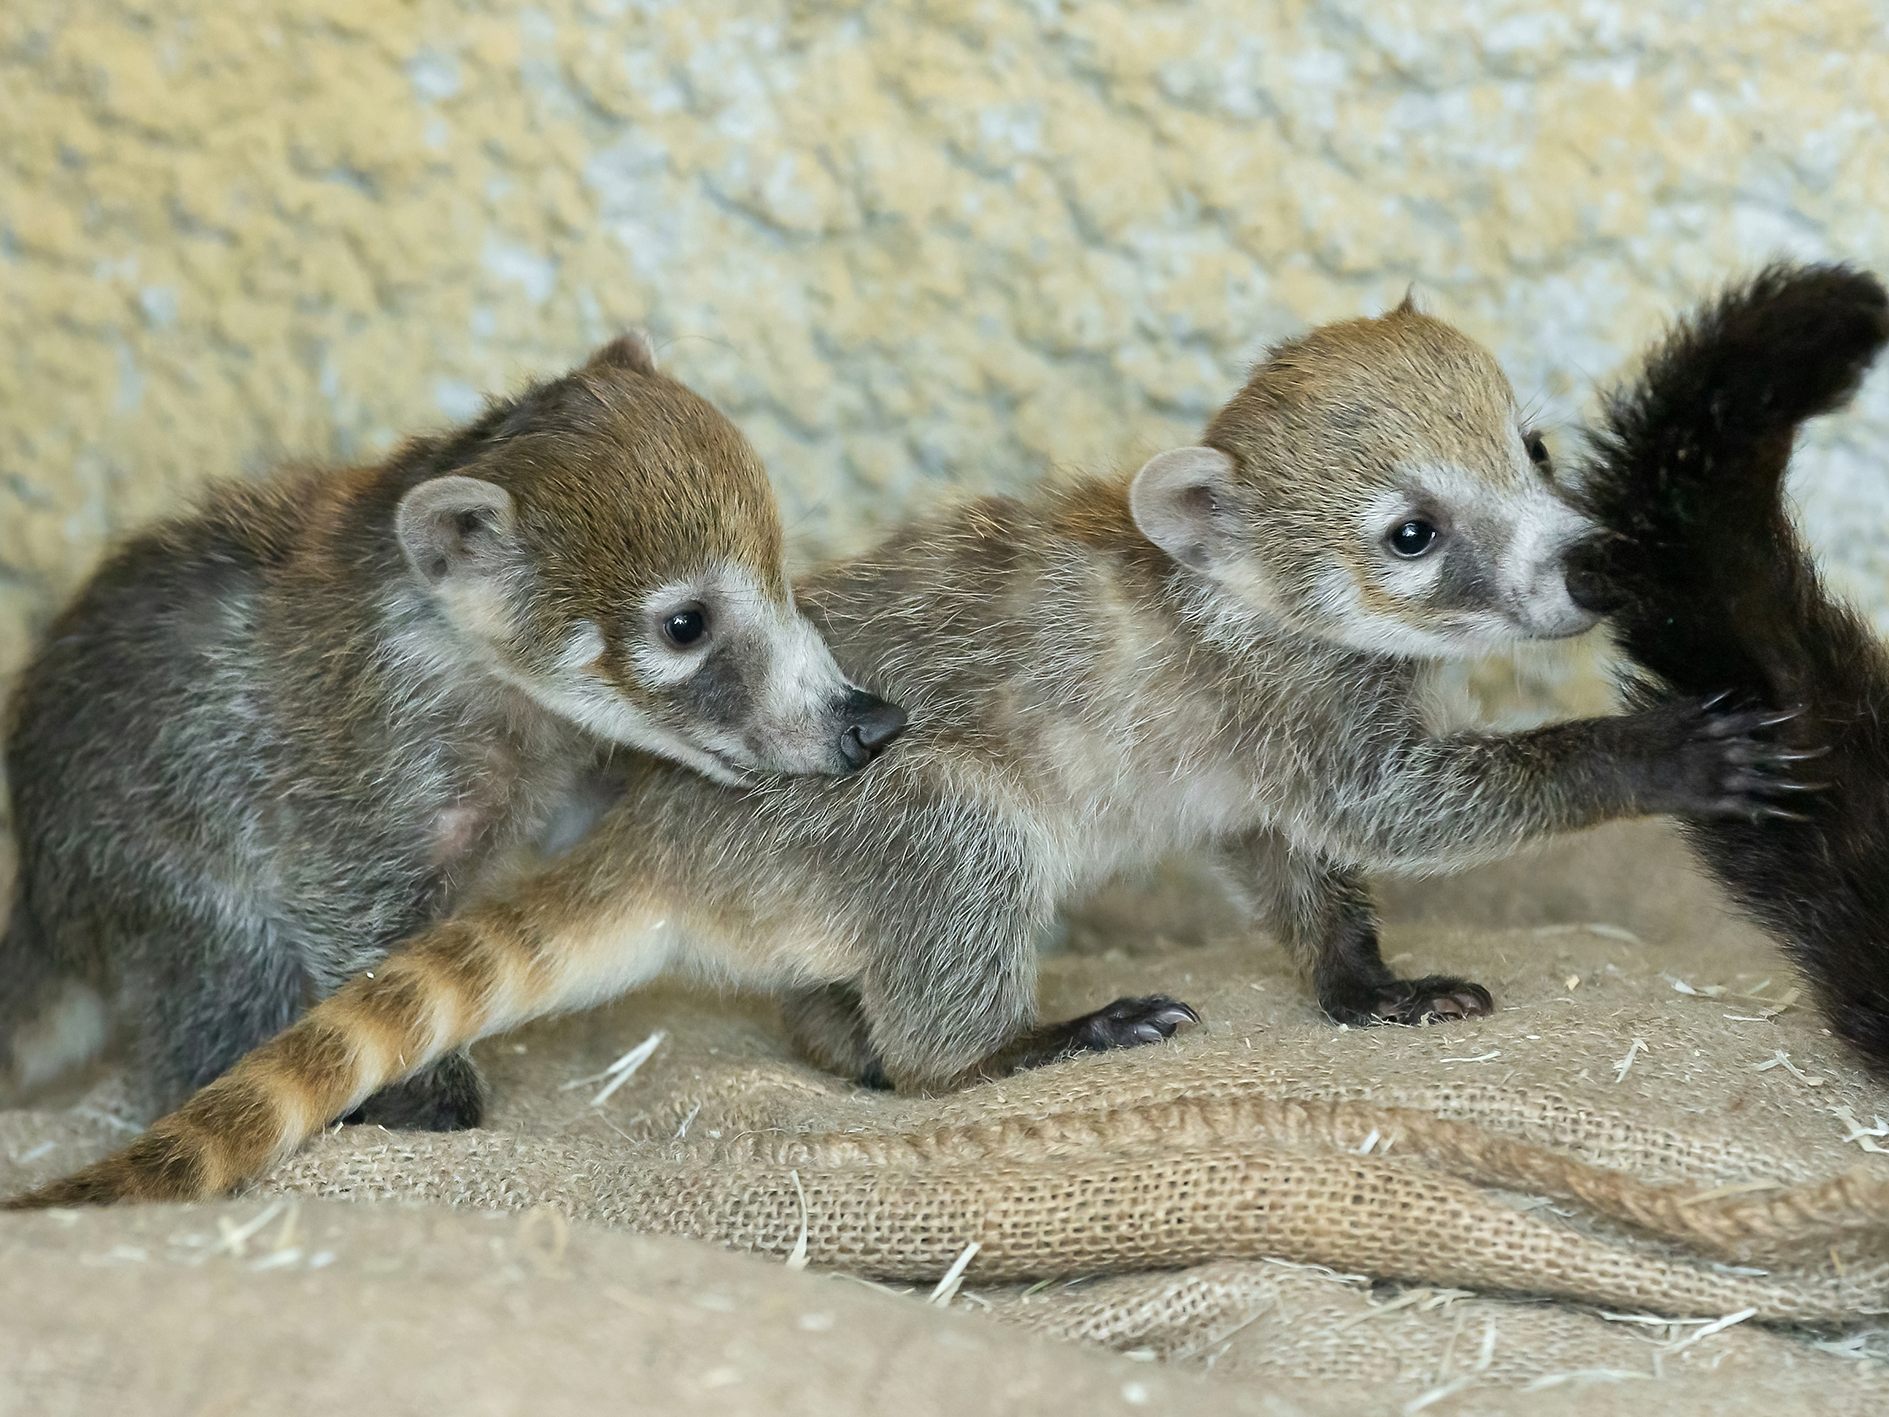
x: 904, y: 243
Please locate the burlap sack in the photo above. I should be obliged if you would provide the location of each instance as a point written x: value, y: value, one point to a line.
x: 1650, y: 1178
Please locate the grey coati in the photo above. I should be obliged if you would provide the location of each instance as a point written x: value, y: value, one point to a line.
x: 273, y: 736
x: 1716, y: 592
x: 1226, y: 653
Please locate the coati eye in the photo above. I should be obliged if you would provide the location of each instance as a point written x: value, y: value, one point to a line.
x: 1412, y: 539
x: 685, y: 627
x: 1537, y: 448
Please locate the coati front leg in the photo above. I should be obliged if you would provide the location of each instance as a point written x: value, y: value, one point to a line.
x: 1323, y: 914
x: 1424, y: 804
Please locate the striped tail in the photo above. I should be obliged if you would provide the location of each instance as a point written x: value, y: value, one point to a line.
x: 446, y: 988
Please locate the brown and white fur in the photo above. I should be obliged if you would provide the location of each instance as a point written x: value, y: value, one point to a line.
x: 1224, y: 654
x: 275, y: 736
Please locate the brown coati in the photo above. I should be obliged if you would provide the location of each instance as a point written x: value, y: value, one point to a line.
x: 1226, y: 653
x: 1716, y: 592
x: 274, y: 736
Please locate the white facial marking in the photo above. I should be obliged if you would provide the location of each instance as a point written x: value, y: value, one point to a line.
x: 584, y: 647
x: 656, y: 662
x: 1534, y: 570
x: 802, y: 676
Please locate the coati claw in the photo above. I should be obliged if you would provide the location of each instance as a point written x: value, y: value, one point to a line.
x: 1775, y: 814
x: 1436, y: 998
x: 1724, y: 763
x: 1131, y: 1022
x: 1803, y: 755
x: 1772, y: 720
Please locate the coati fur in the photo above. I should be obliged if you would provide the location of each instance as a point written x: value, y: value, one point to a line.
x: 1715, y: 588
x: 1225, y: 653
x: 274, y: 736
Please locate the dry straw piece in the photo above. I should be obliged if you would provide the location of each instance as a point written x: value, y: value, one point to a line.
x: 1614, y: 1186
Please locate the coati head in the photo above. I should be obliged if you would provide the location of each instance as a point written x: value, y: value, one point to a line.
x: 1374, y: 484
x: 609, y: 543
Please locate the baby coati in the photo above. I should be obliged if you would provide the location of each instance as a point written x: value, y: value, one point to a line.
x: 1716, y: 589
x: 273, y: 737
x: 1225, y: 653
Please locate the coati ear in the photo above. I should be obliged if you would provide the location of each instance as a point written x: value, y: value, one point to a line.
x: 1176, y: 499
x: 453, y: 525
x: 630, y: 350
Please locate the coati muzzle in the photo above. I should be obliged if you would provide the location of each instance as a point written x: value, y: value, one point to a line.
x: 1590, y: 585
x: 871, y: 723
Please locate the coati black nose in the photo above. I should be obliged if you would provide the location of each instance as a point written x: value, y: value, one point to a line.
x: 871, y: 723
x: 1590, y: 586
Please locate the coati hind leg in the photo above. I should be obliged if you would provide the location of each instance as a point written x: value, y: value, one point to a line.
x: 1324, y: 915
x: 447, y: 1096
x: 198, y: 989
x: 197, y: 1012
x: 830, y: 1028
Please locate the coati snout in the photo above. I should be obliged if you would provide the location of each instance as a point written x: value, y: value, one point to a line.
x: 873, y: 724
x: 1591, y: 583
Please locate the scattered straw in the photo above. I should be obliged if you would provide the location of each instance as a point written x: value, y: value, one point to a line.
x: 1591, y: 927
x: 683, y: 1130
x: 1782, y: 1060
x: 236, y: 1237
x: 98, y: 1114
x: 1490, y: 1056
x: 1716, y: 1326
x: 953, y: 1277
x: 1424, y: 1300
x: 619, y: 1072
x: 1634, y: 1049
x: 557, y: 1227
x: 1680, y: 986
x: 1731, y: 1188
x: 1584, y: 1375
x: 1864, y: 1136
x: 797, y: 1257
x: 1484, y: 1359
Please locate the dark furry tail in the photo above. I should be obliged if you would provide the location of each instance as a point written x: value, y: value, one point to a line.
x: 1718, y: 593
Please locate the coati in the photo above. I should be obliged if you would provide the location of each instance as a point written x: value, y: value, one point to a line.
x: 274, y: 736
x: 1225, y: 653
x: 1716, y: 588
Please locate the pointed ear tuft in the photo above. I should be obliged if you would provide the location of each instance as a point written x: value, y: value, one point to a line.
x: 1176, y: 500
x: 1408, y: 305
x: 455, y: 526
x: 630, y: 350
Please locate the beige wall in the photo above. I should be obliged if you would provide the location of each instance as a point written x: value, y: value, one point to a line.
x: 906, y: 243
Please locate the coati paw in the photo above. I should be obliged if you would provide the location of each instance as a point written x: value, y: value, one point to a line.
x: 1129, y: 1023
x: 1730, y: 763
x: 1436, y: 998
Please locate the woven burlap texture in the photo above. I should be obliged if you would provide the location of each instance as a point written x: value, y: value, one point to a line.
x: 1651, y: 1136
